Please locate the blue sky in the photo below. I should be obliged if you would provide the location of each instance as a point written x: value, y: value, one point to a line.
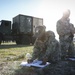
x: 49, y: 10
x: 11, y: 8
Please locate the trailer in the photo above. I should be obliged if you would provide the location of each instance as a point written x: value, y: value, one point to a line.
x: 23, y: 28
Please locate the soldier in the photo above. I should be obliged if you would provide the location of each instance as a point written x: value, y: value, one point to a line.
x: 39, y: 45
x: 66, y: 31
x: 46, y: 47
x: 52, y: 54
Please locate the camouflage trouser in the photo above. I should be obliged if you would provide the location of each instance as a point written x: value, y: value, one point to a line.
x: 37, y: 54
x: 67, y: 47
x: 43, y: 71
x: 60, y: 68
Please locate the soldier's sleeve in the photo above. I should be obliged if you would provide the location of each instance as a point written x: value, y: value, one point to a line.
x: 59, y: 28
x: 72, y: 28
x: 35, y: 53
x: 51, y: 47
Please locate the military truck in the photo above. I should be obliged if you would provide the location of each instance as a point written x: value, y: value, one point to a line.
x: 5, y: 31
x: 23, y: 28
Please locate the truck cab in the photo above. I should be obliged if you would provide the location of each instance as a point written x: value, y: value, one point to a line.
x: 5, y: 30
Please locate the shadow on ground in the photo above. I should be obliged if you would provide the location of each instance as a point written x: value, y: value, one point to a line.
x: 25, y: 71
x: 12, y: 46
x: 61, y: 68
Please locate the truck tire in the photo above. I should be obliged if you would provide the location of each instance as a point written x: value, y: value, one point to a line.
x: 23, y: 39
x: 26, y: 40
x: 1, y: 38
x: 18, y: 40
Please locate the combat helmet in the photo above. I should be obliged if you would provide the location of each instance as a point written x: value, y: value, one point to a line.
x: 50, y: 34
x: 39, y: 30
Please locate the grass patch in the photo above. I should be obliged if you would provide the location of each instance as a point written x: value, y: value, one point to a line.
x: 17, y: 51
x: 11, y: 56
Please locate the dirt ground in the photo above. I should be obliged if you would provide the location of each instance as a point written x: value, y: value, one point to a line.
x: 61, y: 68
x: 14, y: 68
x: 8, y: 68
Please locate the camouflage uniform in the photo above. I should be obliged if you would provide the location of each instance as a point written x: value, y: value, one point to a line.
x: 38, y: 50
x: 48, y: 50
x: 66, y: 32
x: 53, y: 52
x: 39, y: 45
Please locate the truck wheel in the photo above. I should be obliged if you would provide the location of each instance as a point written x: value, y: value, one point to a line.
x: 0, y: 40
x: 18, y: 40
x: 26, y: 40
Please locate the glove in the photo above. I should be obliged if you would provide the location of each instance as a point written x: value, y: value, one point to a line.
x: 43, y: 63
x: 29, y: 60
x: 44, y: 60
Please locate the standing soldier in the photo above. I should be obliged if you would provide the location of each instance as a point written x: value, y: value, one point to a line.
x: 66, y: 31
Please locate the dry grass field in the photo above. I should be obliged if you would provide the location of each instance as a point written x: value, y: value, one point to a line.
x: 11, y: 55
